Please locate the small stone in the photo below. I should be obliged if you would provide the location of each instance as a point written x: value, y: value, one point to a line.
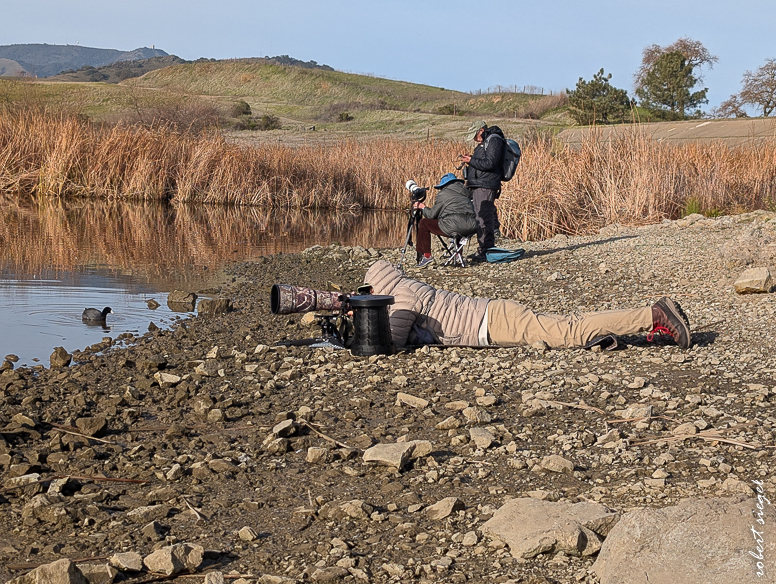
x: 285, y: 429
x: 395, y: 455
x: 449, y: 424
x: 477, y: 415
x: 214, y: 578
x: 23, y: 421
x: 685, y: 429
x: 215, y: 416
x: 444, y: 508
x: 481, y: 438
x: 470, y: 539
x: 555, y: 463
x: 248, y: 534
x: 166, y: 379
x: 152, y: 304
x: 98, y: 573
x: 754, y: 281
x: 214, y: 306
x: 153, y: 531
x: 357, y: 509
x: 92, y: 426
x: 148, y: 513
x: 60, y: 358
x: 127, y: 561
x: 221, y: 465
x: 316, y: 455
x: 411, y: 400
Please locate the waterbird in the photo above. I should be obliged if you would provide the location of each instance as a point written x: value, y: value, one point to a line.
x: 92, y: 315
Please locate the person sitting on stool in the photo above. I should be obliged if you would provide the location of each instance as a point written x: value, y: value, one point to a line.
x: 452, y: 214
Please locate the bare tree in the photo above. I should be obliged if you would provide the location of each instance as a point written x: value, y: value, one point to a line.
x: 732, y: 107
x: 759, y: 88
x: 695, y: 54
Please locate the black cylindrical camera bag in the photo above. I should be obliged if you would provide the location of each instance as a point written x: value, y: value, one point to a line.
x: 372, y: 328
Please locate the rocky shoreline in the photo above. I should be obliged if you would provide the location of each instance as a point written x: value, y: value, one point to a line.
x: 256, y: 456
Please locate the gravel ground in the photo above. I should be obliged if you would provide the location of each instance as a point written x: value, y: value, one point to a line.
x: 212, y: 451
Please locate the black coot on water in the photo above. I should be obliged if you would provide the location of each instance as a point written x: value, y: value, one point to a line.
x: 92, y: 315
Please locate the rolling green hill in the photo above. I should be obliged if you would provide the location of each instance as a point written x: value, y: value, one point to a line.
x: 306, y: 101
x: 315, y: 92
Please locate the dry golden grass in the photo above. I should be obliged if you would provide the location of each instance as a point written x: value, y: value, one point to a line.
x: 631, y: 180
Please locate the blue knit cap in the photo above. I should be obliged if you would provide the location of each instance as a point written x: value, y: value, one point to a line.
x: 446, y: 179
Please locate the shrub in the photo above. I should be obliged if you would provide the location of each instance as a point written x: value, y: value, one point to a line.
x: 449, y: 109
x: 268, y: 122
x: 344, y: 117
x: 240, y: 108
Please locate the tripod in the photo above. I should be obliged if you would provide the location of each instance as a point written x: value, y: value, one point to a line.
x: 414, y: 218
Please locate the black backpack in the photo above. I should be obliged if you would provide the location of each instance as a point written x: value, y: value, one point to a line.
x: 511, y: 159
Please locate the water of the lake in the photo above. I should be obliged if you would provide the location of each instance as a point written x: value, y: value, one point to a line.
x: 59, y: 257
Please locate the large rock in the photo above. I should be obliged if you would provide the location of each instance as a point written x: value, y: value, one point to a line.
x: 532, y: 526
x: 698, y: 541
x: 396, y: 455
x: 60, y: 572
x: 754, y: 281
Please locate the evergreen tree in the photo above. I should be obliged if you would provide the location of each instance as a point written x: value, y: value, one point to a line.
x: 596, y: 101
x: 667, y: 88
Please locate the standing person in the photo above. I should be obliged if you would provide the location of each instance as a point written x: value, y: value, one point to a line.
x: 483, y: 177
x: 451, y: 214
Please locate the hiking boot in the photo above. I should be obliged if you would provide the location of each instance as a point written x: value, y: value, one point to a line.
x: 478, y: 258
x: 425, y: 262
x: 669, y: 318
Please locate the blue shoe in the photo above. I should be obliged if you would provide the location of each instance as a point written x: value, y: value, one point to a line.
x: 425, y: 262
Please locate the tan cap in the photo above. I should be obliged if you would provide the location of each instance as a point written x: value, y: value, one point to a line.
x: 474, y: 128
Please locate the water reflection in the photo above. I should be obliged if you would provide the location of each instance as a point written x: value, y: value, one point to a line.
x: 58, y: 257
x: 168, y: 244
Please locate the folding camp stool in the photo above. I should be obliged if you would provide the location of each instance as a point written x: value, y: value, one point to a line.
x: 454, y: 250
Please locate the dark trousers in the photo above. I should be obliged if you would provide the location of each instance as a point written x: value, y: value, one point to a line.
x: 484, y: 201
x: 425, y: 228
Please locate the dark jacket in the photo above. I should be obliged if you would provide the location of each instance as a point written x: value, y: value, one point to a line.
x: 454, y: 210
x: 487, y: 161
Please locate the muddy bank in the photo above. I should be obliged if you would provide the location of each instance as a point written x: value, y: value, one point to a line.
x: 221, y: 432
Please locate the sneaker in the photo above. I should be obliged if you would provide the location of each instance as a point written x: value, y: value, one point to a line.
x: 668, y: 318
x: 425, y: 262
x: 478, y: 258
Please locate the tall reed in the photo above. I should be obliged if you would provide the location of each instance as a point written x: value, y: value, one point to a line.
x: 630, y: 179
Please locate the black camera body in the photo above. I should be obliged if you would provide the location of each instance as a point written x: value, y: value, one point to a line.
x: 417, y: 194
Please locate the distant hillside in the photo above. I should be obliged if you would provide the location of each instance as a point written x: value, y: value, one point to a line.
x: 43, y: 60
x: 118, y: 71
x: 324, y: 94
x: 10, y: 68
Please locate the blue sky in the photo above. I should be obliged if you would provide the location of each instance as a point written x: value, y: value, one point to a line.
x: 452, y: 44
